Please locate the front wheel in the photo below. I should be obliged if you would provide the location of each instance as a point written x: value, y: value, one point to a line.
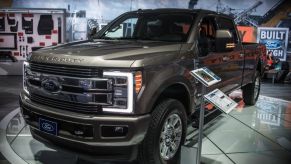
x: 251, y: 91
x: 165, y: 135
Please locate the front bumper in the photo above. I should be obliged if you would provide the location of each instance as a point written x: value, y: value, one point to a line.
x: 92, y: 140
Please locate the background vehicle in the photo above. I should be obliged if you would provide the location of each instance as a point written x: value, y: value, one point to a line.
x: 129, y: 90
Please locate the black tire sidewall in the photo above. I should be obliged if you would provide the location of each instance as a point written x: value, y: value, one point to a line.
x: 249, y: 91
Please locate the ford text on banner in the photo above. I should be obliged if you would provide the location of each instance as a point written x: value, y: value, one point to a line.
x: 275, y: 39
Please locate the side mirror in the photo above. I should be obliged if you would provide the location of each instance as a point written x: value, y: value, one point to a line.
x: 224, y: 41
x: 92, y: 33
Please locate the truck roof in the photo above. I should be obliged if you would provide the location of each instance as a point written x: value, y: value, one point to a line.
x: 171, y: 10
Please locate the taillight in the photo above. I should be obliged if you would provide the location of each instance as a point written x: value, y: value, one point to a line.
x: 138, y: 81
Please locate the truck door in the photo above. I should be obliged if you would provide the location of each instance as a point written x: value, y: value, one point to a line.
x: 224, y: 64
x: 233, y: 61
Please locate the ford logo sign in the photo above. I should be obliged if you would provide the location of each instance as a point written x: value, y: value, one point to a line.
x: 47, y: 127
x: 51, y: 85
x: 273, y: 44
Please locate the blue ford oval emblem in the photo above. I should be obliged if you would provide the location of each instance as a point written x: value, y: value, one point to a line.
x: 51, y: 85
x: 48, y: 127
x: 273, y: 44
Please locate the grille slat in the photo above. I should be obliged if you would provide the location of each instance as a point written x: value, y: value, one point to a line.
x: 73, y: 71
x: 84, y: 108
x: 67, y: 70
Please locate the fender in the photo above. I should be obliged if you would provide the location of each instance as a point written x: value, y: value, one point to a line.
x: 157, y: 82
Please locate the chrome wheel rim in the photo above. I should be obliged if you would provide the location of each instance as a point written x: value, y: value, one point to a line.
x: 257, y: 87
x: 170, y: 137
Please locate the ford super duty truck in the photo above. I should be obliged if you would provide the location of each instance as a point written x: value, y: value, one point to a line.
x: 127, y: 92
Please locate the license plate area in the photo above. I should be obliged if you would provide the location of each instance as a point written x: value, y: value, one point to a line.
x: 48, y: 126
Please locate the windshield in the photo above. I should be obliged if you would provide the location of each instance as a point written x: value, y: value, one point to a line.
x: 157, y: 27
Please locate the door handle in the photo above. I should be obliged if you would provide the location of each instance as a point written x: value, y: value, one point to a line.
x: 225, y: 58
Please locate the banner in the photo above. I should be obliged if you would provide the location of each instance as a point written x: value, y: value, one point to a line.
x: 248, y: 34
x: 275, y: 39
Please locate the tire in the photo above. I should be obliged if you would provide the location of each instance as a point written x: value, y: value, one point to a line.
x: 251, y: 91
x: 150, y: 148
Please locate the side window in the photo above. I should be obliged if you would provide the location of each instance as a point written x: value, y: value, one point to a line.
x: 125, y: 29
x: 207, y: 32
x: 227, y: 24
x: 167, y: 27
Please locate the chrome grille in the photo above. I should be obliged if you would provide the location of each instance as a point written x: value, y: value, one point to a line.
x: 66, y: 88
x: 63, y: 70
x: 66, y: 105
x: 75, y: 93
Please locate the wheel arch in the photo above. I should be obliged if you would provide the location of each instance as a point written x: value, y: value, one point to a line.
x: 178, y: 91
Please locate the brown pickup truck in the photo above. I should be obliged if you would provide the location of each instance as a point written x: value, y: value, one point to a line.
x: 127, y: 92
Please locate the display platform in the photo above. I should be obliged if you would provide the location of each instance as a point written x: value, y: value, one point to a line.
x: 246, y: 135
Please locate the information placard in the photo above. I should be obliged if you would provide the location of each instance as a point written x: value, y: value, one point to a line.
x: 205, y: 76
x: 221, y: 101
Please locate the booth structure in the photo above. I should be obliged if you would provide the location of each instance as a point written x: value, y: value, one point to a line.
x: 25, y: 30
x: 22, y: 31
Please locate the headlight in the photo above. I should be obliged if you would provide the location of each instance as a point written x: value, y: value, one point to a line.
x: 26, y: 72
x: 122, y: 86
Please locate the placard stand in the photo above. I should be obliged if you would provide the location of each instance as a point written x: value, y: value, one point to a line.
x: 201, y: 124
x: 225, y: 104
x: 207, y: 78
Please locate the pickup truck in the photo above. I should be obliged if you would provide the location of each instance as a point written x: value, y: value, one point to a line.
x: 127, y: 92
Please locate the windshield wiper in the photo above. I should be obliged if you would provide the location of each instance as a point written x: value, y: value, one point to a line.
x: 128, y: 38
x: 107, y: 38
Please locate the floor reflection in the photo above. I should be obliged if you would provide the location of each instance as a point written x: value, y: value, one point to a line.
x: 14, y: 127
x: 247, y: 135
x: 271, y: 118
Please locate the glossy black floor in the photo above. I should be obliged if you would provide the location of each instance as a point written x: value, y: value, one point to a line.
x: 260, y: 133
x: 10, y: 87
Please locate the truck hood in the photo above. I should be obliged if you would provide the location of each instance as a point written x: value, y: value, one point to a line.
x: 104, y: 53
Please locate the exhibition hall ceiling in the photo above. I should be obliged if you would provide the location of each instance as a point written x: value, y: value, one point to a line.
x: 109, y: 9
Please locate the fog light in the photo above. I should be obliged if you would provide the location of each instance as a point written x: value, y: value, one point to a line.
x: 26, y: 116
x: 79, y: 132
x: 114, y: 131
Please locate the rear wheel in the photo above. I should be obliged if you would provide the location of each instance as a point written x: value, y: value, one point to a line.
x: 165, y: 135
x: 251, y: 91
